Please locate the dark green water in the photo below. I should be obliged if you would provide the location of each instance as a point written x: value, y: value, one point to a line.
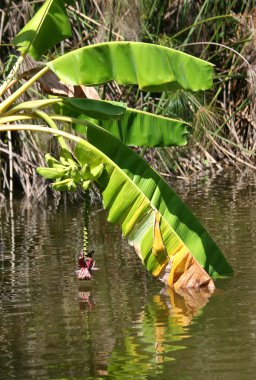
x: 123, y: 324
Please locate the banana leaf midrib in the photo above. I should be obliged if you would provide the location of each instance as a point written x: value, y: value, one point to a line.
x: 135, y: 110
x: 43, y: 103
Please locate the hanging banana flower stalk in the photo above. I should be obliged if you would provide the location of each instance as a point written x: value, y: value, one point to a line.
x: 86, y: 263
x: 68, y: 174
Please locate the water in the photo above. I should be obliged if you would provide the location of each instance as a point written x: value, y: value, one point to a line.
x: 124, y: 324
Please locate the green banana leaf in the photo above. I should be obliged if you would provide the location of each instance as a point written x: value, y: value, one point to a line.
x: 133, y: 192
x: 140, y: 128
x: 151, y: 67
x: 134, y: 127
x: 96, y: 109
x: 49, y: 26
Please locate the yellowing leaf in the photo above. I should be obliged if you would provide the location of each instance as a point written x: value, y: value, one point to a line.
x: 158, y: 244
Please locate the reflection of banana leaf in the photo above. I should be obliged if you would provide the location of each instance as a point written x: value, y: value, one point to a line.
x: 187, y: 303
x: 156, y: 333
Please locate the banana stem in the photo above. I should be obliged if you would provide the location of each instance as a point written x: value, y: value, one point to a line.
x: 11, y: 99
x: 40, y: 128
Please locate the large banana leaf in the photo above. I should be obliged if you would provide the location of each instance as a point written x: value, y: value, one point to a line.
x: 49, y: 26
x: 152, y: 67
x: 134, y: 194
x: 134, y: 127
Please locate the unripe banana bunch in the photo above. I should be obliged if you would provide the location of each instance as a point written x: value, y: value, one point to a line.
x: 67, y: 173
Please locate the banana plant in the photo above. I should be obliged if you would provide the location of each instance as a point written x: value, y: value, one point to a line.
x: 171, y: 242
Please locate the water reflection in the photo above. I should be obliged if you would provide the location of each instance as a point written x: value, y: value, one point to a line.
x: 185, y: 304
x: 151, y: 337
